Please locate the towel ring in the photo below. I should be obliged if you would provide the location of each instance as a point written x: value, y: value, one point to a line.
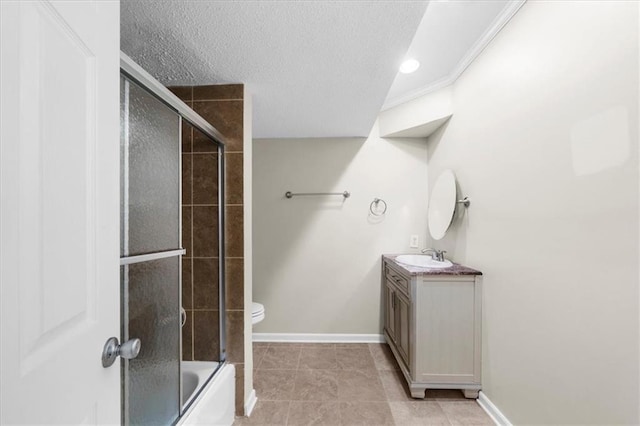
x: 375, y: 202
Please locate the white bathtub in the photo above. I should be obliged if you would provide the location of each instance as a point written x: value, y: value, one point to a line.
x: 215, y: 405
x: 194, y: 374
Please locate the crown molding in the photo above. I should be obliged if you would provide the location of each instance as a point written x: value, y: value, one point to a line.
x: 436, y: 85
x: 498, y: 23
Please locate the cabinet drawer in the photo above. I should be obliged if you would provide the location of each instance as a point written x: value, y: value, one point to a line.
x: 400, y: 281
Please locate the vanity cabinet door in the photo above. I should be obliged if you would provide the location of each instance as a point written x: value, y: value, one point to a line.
x: 402, y: 320
x: 389, y: 311
x: 397, y: 315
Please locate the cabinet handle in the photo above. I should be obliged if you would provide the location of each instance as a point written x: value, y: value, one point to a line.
x: 396, y: 278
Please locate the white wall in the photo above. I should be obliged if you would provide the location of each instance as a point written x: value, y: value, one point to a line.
x: 247, y: 188
x: 544, y: 141
x: 418, y: 117
x: 316, y: 260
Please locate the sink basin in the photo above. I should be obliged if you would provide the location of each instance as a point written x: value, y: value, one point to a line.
x: 422, y: 261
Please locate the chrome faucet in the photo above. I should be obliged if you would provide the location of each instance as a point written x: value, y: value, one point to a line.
x: 435, y: 254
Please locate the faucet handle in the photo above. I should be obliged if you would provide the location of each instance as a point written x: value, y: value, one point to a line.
x: 435, y: 254
x: 441, y: 255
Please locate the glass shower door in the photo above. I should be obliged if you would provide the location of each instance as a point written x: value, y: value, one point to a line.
x: 150, y: 256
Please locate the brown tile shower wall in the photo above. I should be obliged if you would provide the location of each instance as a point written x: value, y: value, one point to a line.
x: 222, y: 106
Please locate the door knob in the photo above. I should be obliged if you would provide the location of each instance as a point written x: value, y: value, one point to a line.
x: 112, y: 349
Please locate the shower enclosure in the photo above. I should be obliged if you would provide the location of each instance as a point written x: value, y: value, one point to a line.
x: 157, y: 385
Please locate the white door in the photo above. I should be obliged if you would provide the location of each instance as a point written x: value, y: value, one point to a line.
x: 59, y: 211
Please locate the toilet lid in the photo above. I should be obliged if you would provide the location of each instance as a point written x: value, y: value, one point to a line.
x: 257, y: 309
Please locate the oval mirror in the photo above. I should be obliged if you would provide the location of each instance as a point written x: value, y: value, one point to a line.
x: 442, y: 204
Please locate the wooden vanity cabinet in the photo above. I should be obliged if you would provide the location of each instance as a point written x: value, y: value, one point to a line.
x: 432, y: 322
x: 397, y: 317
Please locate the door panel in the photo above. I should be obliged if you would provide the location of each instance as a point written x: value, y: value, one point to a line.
x: 448, y: 324
x: 58, y: 216
x: 403, y: 318
x: 63, y: 288
x: 389, y: 312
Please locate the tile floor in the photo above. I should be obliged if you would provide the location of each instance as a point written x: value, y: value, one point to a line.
x: 345, y: 384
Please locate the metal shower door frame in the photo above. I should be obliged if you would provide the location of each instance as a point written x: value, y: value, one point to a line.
x: 132, y: 71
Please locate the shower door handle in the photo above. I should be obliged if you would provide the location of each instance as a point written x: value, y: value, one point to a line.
x: 112, y: 349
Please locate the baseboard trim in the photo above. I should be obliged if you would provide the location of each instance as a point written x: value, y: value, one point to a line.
x: 493, y: 411
x: 318, y: 338
x: 250, y: 403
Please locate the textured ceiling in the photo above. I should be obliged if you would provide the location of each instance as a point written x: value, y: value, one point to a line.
x: 315, y: 68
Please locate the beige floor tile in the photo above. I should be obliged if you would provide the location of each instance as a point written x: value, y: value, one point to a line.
x: 383, y: 357
x: 261, y: 345
x: 319, y: 345
x: 271, y: 413
x: 465, y: 413
x: 258, y: 354
x: 395, y: 386
x: 274, y: 385
x: 359, y: 359
x: 360, y: 385
x: 303, y: 413
x: 285, y: 345
x: 353, y: 346
x: 418, y: 413
x: 365, y: 413
x: 346, y: 384
x: 315, y: 385
x: 318, y: 358
x: 281, y: 358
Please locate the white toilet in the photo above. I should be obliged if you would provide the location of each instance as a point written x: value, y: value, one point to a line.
x: 257, y: 312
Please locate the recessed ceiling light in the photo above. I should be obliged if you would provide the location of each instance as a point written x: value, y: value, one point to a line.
x: 409, y: 66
